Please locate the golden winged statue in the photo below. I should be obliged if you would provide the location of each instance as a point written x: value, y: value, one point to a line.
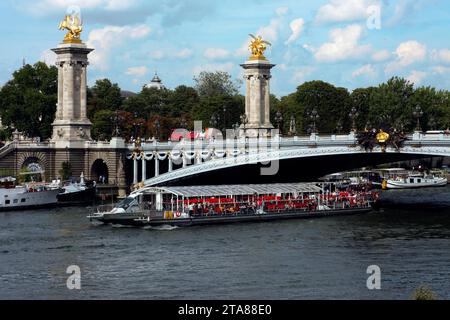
x: 73, y: 24
x: 257, y: 47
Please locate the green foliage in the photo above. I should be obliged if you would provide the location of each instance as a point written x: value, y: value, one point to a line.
x: 424, y: 293
x: 28, y: 100
x: 331, y: 103
x: 28, y: 103
x: 219, y: 83
x: 66, y: 171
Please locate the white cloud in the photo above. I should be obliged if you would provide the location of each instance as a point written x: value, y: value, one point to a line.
x: 296, y: 26
x: 184, y: 53
x: 366, y: 70
x: 344, y: 45
x: 300, y: 74
x: 48, y: 57
x: 211, y: 67
x: 216, y: 53
x: 442, y: 55
x: 43, y: 6
x: 441, y: 70
x: 416, y: 77
x: 137, y: 71
x: 157, y: 54
x: 381, y: 55
x: 105, y: 39
x: 268, y: 33
x: 407, y: 53
x: 342, y: 11
x: 281, y: 11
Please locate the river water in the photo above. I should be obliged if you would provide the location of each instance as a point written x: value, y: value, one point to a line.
x: 304, y: 259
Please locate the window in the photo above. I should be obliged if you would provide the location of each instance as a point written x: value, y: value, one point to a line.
x: 411, y: 180
x: 419, y: 180
x: 16, y: 201
x: 22, y: 200
x: 7, y: 201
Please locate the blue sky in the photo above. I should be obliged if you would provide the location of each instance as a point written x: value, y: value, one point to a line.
x: 350, y: 43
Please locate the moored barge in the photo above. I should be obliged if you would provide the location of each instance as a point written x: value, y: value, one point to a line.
x: 205, y: 205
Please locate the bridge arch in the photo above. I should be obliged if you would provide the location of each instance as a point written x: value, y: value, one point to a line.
x: 32, y: 160
x: 100, y: 168
x: 313, y: 154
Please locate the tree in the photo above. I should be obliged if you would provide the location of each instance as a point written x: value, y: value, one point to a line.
x: 28, y: 100
x: 391, y: 104
x: 103, y: 124
x: 218, y: 83
x: 104, y: 95
x: 332, y: 104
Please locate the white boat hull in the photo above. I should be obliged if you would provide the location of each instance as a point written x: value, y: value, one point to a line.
x: 437, y: 182
x: 20, y: 199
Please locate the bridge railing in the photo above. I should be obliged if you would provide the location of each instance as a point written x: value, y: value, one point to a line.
x: 7, y: 148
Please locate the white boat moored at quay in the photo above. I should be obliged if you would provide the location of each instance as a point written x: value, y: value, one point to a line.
x: 27, y: 196
x: 415, y: 180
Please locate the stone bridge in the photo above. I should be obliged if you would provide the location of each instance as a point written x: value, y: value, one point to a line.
x: 166, y: 163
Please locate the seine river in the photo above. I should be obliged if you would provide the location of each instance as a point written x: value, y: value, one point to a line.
x: 305, y: 259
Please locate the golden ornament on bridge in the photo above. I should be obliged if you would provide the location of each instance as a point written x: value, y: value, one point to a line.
x: 382, y: 136
x: 257, y: 47
x: 73, y: 24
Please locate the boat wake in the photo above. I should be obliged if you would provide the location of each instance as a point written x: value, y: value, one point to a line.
x: 165, y: 227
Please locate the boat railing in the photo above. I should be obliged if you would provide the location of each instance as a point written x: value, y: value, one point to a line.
x: 104, y: 208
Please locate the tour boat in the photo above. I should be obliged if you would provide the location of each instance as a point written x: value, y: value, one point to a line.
x: 415, y: 180
x: 204, y: 205
x: 27, y: 196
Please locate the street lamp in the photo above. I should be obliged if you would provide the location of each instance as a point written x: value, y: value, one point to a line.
x: 339, y: 126
x: 432, y: 123
x: 314, y: 116
x: 214, y: 121
x: 183, y: 123
x: 418, y: 113
x: 136, y: 124
x: 157, y: 127
x: 244, y: 121
x: 292, y: 126
x: 278, y: 119
x: 353, y: 115
x: 224, y: 119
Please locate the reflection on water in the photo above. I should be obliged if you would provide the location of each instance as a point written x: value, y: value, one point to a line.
x: 322, y: 258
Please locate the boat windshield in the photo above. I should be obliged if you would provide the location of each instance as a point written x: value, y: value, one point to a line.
x: 125, y: 203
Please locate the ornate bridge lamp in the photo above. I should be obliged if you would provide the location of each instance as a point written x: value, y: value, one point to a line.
x: 278, y: 120
x: 214, y: 120
x: 157, y: 129
x: 339, y: 126
x: 432, y: 123
x: 244, y: 122
x: 314, y: 116
x: 292, y: 126
x: 224, y: 130
x: 183, y: 123
x: 418, y: 113
x: 137, y: 124
x: 353, y: 115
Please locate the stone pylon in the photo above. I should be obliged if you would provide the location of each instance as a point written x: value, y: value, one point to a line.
x: 257, y: 98
x: 71, y: 122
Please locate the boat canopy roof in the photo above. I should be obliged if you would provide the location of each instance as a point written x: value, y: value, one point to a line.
x: 237, y: 189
